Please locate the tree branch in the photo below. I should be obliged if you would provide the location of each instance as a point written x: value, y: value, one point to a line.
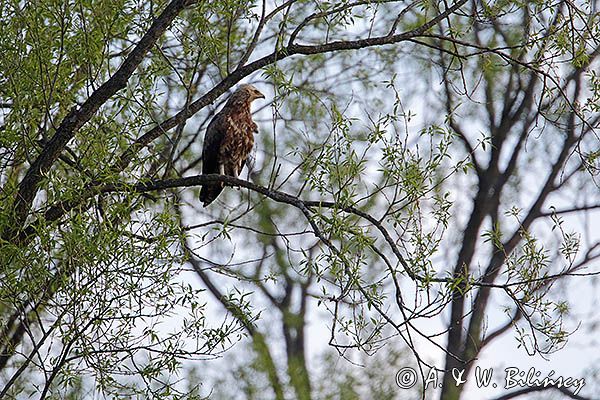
x: 524, y: 391
x: 258, y: 338
x: 242, y: 72
x: 76, y: 118
x: 127, y: 156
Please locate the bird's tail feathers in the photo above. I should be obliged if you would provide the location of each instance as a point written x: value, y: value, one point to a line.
x: 208, y: 193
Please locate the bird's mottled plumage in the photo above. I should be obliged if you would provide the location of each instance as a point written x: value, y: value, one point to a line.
x: 228, y: 140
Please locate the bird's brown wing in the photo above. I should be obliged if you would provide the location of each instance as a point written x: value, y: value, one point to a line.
x: 210, y: 158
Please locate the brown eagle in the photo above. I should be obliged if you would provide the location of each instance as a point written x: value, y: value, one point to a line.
x: 228, y: 140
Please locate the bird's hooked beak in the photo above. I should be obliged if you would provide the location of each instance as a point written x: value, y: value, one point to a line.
x: 259, y: 95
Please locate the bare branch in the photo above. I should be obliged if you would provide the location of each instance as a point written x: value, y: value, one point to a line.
x: 524, y: 391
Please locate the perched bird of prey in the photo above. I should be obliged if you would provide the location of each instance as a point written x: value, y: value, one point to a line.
x: 228, y: 140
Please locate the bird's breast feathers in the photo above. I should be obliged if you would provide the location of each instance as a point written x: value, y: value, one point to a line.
x: 239, y: 137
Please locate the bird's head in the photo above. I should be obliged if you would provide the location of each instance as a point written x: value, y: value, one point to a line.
x: 247, y: 93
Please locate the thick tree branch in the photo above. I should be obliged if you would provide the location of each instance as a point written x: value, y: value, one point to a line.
x: 127, y: 156
x: 472, y: 345
x: 243, y: 71
x: 76, y: 118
